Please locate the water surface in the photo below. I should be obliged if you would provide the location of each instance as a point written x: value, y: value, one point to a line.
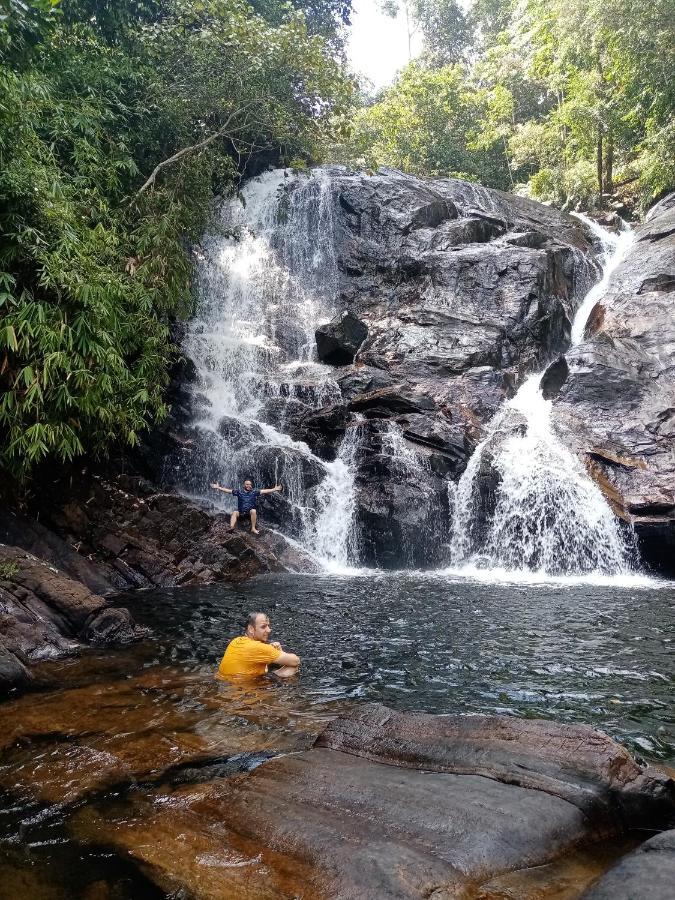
x: 596, y: 654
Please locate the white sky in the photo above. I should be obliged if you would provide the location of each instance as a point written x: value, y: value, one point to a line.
x: 378, y: 45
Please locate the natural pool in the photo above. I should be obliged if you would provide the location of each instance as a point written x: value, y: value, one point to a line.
x: 91, y: 748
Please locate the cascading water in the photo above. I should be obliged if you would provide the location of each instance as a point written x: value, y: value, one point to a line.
x: 267, y: 279
x: 525, y: 501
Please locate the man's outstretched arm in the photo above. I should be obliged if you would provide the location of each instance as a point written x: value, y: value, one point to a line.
x: 218, y: 487
x: 273, y: 490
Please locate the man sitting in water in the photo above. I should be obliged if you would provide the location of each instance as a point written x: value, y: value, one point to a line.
x: 251, y: 653
x: 247, y: 502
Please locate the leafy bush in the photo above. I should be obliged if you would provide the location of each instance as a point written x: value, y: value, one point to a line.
x: 117, y: 130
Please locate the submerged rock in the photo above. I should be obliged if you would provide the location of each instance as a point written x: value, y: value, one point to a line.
x: 398, y: 806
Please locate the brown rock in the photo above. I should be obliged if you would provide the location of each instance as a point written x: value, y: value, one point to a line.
x: 45, y: 614
x: 382, y: 818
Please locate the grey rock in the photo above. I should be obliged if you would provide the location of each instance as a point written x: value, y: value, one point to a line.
x: 618, y: 403
x: 338, y: 342
x: 648, y: 871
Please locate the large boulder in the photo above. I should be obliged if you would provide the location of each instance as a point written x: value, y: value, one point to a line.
x: 617, y: 404
x: 338, y: 342
x: 398, y: 806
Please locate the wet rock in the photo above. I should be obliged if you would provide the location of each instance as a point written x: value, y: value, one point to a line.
x: 362, y: 379
x: 45, y: 614
x: 402, y: 515
x: 137, y: 536
x: 338, y: 342
x: 463, y: 291
x: 582, y: 766
x: 13, y: 673
x: 17, y: 529
x: 619, y: 397
x: 455, y: 808
x: 323, y: 430
x: 133, y: 728
x: 554, y: 377
x: 648, y: 871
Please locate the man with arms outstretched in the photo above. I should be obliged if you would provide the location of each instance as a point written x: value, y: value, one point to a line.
x: 247, y: 502
x: 250, y: 654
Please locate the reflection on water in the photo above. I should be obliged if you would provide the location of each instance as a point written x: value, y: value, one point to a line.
x: 112, y: 738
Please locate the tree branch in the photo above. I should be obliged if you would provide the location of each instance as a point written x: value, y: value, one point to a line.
x: 223, y: 130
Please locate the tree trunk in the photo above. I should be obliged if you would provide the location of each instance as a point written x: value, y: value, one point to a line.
x: 609, y: 163
x: 600, y: 167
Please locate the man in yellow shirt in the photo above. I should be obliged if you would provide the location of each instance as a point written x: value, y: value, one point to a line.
x: 250, y: 654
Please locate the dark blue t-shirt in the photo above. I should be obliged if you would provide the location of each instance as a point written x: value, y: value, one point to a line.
x: 246, y: 500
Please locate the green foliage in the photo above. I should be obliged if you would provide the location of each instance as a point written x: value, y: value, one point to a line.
x: 561, y: 99
x: 8, y: 571
x: 98, y: 100
x: 425, y: 124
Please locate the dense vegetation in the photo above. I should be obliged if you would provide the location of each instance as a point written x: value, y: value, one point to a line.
x: 119, y: 121
x: 563, y: 99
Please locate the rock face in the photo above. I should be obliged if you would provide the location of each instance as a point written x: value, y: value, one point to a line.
x: 133, y: 535
x: 461, y: 291
x: 45, y: 614
x: 337, y: 343
x: 618, y: 402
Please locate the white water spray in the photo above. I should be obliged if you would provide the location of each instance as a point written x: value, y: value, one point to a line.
x: 267, y: 279
x: 615, y: 247
x: 525, y: 502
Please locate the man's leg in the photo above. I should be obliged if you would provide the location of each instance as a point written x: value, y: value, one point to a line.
x: 233, y: 520
x: 254, y: 518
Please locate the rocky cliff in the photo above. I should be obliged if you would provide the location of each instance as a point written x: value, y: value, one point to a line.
x: 449, y: 294
x: 617, y: 404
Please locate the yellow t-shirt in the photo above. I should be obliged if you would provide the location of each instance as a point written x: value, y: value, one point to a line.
x: 244, y: 656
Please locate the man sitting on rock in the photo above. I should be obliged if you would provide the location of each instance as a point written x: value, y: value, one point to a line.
x: 250, y: 654
x: 247, y: 502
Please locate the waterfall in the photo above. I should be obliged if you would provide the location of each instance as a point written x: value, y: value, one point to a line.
x: 615, y: 247
x: 267, y: 277
x: 330, y: 534
x: 525, y: 501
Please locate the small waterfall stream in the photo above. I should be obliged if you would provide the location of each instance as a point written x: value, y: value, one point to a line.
x: 267, y: 279
x: 525, y: 502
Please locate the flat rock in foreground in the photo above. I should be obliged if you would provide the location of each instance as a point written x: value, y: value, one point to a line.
x: 398, y: 806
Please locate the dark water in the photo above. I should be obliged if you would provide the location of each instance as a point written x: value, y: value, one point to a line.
x: 600, y: 655
x: 604, y: 656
